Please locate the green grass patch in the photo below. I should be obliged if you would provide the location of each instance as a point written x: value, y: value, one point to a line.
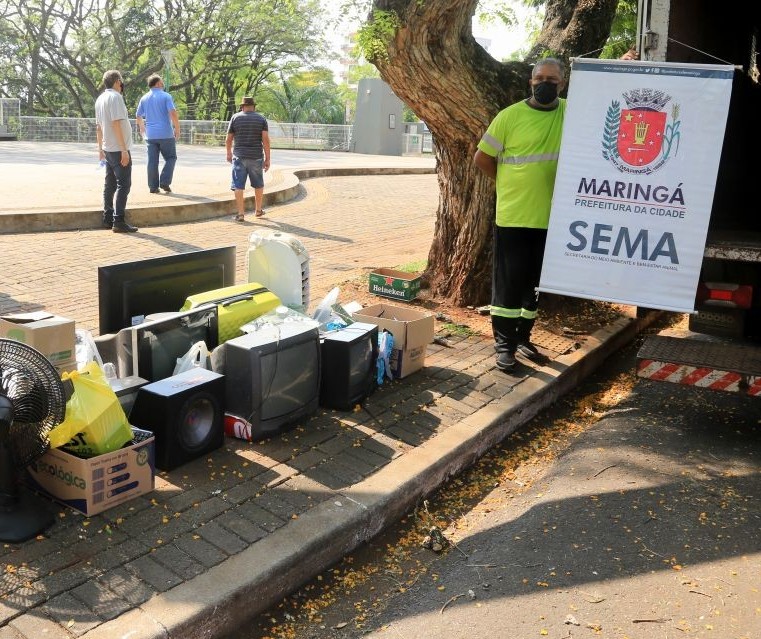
x: 461, y: 330
x: 413, y: 267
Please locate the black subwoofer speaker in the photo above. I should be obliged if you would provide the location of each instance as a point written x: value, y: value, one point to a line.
x: 185, y: 413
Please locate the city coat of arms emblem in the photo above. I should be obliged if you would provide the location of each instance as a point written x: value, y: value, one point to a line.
x: 641, y: 137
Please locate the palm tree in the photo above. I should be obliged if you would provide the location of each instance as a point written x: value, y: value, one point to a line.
x: 304, y: 98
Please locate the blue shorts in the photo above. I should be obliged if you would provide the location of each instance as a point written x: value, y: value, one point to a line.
x: 247, y: 168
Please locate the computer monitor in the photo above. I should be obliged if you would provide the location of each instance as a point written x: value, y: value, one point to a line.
x: 349, y: 365
x: 150, y: 350
x: 272, y: 376
x: 129, y: 291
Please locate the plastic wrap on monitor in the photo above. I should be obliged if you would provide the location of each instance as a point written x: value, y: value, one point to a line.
x: 278, y: 316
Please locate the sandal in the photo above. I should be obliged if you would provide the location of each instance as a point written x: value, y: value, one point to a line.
x: 259, y: 213
x: 239, y: 218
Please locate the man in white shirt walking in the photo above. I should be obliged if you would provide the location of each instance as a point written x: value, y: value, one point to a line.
x: 114, y: 135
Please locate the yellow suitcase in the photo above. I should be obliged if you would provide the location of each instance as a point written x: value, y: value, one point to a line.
x: 236, y: 305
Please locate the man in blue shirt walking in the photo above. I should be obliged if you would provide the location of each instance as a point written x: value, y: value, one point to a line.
x: 160, y: 127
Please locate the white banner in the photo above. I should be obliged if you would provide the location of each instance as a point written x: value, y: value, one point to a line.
x: 635, y: 182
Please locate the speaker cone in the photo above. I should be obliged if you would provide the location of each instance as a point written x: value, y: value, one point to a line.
x: 197, y: 426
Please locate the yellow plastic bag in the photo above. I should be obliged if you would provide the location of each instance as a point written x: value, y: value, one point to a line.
x: 95, y: 422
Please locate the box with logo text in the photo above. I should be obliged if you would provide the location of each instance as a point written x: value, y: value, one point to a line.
x: 398, y: 285
x: 50, y: 334
x: 98, y: 483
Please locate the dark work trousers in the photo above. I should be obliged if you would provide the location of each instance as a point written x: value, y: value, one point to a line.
x: 517, y: 266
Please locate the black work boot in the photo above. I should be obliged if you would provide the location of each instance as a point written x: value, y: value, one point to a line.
x: 505, y: 361
x: 525, y: 347
x: 506, y: 341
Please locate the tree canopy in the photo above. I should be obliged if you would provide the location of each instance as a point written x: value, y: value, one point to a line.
x: 53, y: 52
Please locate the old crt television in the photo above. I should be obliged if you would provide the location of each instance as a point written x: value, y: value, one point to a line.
x: 129, y: 291
x: 349, y: 365
x: 272, y: 376
x: 150, y: 350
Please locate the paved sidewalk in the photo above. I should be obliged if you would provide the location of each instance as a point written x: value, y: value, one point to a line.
x: 70, y: 197
x: 227, y: 535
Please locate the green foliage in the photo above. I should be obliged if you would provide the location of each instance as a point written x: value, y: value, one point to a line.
x: 53, y: 53
x: 623, y: 32
x: 359, y: 71
x: 374, y: 36
x: 498, y: 11
x: 310, y: 97
x: 408, y: 115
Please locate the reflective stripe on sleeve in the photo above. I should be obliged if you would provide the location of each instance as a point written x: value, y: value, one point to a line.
x: 528, y: 314
x: 527, y: 159
x: 493, y: 142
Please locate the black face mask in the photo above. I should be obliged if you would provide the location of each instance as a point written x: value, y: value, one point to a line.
x: 545, y: 92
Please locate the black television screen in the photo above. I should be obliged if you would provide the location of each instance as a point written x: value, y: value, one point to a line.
x: 349, y: 365
x: 129, y: 291
x: 272, y: 376
x: 150, y: 350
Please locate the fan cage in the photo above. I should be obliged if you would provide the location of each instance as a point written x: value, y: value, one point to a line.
x: 36, y: 392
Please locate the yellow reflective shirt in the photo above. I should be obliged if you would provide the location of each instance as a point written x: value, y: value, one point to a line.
x: 526, y: 142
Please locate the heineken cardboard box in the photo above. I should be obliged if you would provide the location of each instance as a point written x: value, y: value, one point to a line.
x: 50, y: 334
x: 98, y: 483
x: 398, y: 285
x: 412, y: 331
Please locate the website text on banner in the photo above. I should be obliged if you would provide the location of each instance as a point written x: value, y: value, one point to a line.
x: 635, y: 181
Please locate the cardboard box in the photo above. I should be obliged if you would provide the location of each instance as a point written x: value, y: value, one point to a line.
x: 50, y: 334
x: 412, y: 331
x: 398, y: 285
x: 98, y: 483
x: 67, y: 367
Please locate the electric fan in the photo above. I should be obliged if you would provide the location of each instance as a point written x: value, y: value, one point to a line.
x: 32, y: 402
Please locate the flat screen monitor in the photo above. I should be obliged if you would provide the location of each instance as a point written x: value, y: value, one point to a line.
x: 349, y: 365
x: 129, y: 291
x: 150, y: 350
x: 272, y: 376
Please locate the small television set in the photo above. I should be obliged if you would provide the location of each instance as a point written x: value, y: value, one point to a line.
x: 129, y: 291
x: 272, y: 376
x: 349, y: 365
x: 150, y: 350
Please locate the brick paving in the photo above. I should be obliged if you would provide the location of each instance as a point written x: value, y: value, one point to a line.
x: 86, y: 573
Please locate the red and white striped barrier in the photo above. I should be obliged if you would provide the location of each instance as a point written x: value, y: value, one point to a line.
x: 696, y: 376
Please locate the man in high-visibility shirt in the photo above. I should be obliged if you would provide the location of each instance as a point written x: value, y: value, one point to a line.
x: 520, y: 152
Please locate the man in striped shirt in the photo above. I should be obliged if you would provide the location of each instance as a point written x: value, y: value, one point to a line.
x: 248, y: 149
x: 520, y: 152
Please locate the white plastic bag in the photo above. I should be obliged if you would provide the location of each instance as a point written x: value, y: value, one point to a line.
x: 196, y: 357
x: 323, y: 311
x: 85, y: 349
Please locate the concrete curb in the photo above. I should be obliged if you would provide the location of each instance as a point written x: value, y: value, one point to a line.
x: 185, y: 210
x: 222, y: 599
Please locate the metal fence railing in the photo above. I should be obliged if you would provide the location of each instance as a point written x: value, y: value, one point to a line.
x: 417, y: 143
x: 10, y: 114
x: 318, y: 137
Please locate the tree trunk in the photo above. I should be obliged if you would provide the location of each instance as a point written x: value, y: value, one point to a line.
x: 438, y: 69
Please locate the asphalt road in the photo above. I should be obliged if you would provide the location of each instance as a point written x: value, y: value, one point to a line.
x: 630, y: 509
